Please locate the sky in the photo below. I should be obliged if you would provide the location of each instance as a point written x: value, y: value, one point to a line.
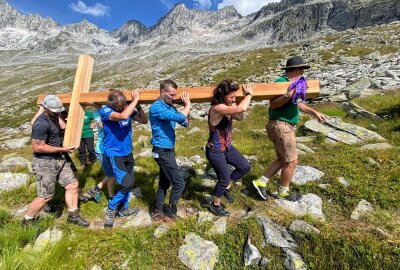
x: 112, y: 14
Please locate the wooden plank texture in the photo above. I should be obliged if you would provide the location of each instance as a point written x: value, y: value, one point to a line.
x: 73, y: 131
x: 262, y: 91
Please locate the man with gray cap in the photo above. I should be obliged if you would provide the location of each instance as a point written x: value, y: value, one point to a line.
x: 49, y: 164
x: 284, y: 114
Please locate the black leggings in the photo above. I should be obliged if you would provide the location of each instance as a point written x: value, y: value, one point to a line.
x: 219, y: 161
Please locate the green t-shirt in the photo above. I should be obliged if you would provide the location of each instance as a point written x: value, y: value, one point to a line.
x: 87, y: 132
x: 289, y: 112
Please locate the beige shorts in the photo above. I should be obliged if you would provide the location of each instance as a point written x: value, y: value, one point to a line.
x: 283, y: 137
x: 50, y: 171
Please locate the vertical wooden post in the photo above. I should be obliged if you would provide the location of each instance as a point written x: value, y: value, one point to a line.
x: 73, y: 131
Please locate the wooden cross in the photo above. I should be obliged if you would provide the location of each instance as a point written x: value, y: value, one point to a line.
x: 81, y: 96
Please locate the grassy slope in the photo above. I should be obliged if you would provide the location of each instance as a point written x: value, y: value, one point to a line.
x: 343, y: 243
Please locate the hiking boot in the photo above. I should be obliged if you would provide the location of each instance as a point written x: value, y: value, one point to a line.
x: 126, y: 212
x: 29, y: 222
x: 290, y: 195
x: 158, y: 217
x: 75, y: 218
x: 95, y: 193
x: 218, y: 210
x: 109, y: 220
x: 260, y: 187
x: 82, y: 197
x: 170, y: 211
x: 228, y: 197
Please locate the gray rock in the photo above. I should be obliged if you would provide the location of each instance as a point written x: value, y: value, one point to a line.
x: 251, y: 255
x: 17, y: 143
x: 197, y: 253
x: 203, y: 217
x: 207, y: 182
x: 161, y: 230
x: 193, y: 130
x: 305, y: 174
x: 146, y: 152
x: 293, y: 260
x: 143, y: 140
x: 264, y: 261
x: 376, y: 146
x: 142, y: 219
x: 324, y: 186
x: 362, y: 208
x: 136, y: 193
x: 219, y: 226
x: 10, y: 181
x: 251, y: 159
x: 356, y: 89
x: 304, y: 148
x: 306, y: 139
x: 13, y: 163
x: 310, y: 204
x: 356, y: 111
x: 336, y: 129
x: 372, y: 162
x: 48, y: 237
x: 198, y: 159
x: 304, y: 227
x: 185, y: 166
x: 343, y: 181
x: 96, y: 267
x: 275, y: 234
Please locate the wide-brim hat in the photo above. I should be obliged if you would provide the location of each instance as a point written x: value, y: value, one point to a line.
x: 53, y: 103
x: 296, y: 62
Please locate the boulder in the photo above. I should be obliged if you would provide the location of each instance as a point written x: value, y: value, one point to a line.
x: 48, y: 237
x: 17, y: 143
x: 294, y: 261
x: 13, y: 163
x: 376, y: 146
x: 304, y: 174
x: 219, y: 226
x: 310, y: 204
x: 275, y: 234
x: 251, y: 255
x: 10, y: 181
x: 142, y: 219
x: 197, y: 253
x: 304, y: 227
x: 161, y: 230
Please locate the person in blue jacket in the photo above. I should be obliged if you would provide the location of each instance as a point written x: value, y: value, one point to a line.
x: 163, y: 118
x: 116, y: 119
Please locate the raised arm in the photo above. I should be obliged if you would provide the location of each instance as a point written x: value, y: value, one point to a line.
x: 141, y: 116
x: 127, y: 112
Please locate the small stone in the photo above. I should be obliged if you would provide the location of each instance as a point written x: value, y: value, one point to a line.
x: 48, y: 237
x: 362, y: 208
x: 219, y: 226
x: 343, y: 181
x: 293, y: 260
x: 193, y: 130
x: 96, y: 267
x: 376, y: 146
x: 203, y: 217
x: 264, y: 261
x: 161, y: 230
x: 304, y: 227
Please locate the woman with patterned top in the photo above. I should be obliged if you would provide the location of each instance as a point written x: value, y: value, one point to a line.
x: 219, y: 149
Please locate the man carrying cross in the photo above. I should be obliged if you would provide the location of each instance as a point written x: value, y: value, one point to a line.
x: 50, y: 165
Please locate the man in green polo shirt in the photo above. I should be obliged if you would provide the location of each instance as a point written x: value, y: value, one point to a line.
x: 283, y: 116
x: 87, y: 140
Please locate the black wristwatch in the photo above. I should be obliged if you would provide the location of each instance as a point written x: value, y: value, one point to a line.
x: 138, y: 107
x: 248, y: 94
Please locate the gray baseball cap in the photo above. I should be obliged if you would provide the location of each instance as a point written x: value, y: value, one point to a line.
x: 53, y: 103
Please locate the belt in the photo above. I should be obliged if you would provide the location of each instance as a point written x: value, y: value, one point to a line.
x: 159, y: 149
x: 280, y: 121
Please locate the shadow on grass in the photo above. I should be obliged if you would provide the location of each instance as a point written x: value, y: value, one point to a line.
x: 390, y: 113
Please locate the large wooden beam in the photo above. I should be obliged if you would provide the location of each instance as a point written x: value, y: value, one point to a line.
x: 73, y: 131
x: 262, y: 91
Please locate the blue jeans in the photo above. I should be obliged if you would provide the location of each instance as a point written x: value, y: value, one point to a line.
x: 169, y: 175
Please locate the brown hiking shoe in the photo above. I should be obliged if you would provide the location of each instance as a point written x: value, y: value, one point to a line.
x: 160, y: 217
x: 75, y: 218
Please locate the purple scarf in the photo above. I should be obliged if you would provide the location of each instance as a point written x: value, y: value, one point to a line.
x: 300, y: 86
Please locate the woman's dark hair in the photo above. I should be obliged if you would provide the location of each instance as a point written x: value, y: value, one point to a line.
x: 223, y: 89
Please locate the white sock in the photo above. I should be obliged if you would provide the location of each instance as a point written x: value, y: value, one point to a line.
x: 26, y: 217
x: 72, y: 209
x: 264, y: 179
x: 283, y: 190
